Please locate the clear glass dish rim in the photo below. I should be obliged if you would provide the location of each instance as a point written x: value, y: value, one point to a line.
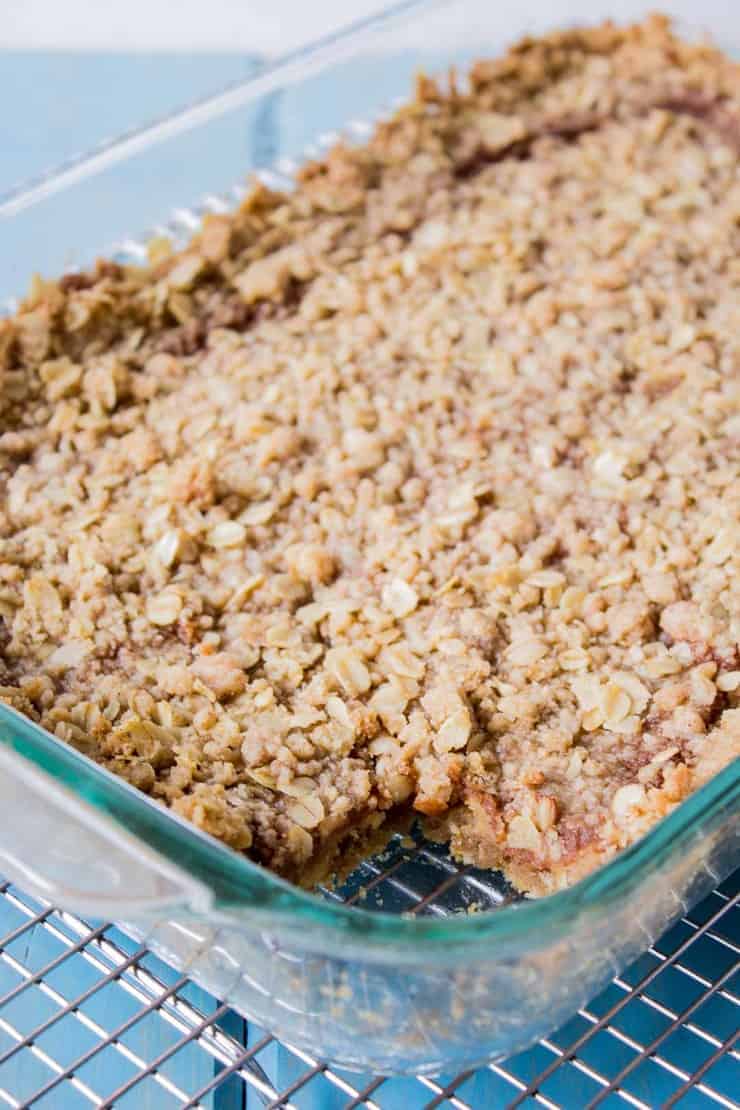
x: 272, y: 74
x: 236, y: 882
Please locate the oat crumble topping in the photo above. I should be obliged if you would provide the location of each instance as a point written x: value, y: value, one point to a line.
x: 417, y: 487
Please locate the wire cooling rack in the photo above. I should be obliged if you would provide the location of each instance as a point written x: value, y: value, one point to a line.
x: 90, y: 1017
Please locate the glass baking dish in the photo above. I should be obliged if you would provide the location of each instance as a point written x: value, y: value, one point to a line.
x: 365, y: 985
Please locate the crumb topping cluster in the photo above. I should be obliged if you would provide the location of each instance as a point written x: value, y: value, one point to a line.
x: 418, y: 486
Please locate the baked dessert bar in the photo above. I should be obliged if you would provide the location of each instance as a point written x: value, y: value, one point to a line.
x: 416, y: 488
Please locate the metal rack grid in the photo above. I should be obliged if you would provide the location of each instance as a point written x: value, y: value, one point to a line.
x: 90, y: 1017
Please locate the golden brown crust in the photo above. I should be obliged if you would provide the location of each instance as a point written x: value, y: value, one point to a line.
x: 416, y: 487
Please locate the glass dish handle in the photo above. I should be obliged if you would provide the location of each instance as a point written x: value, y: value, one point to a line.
x: 59, y: 849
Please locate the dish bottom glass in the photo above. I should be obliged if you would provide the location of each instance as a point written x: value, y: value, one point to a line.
x: 116, y: 1026
x: 427, y: 1018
